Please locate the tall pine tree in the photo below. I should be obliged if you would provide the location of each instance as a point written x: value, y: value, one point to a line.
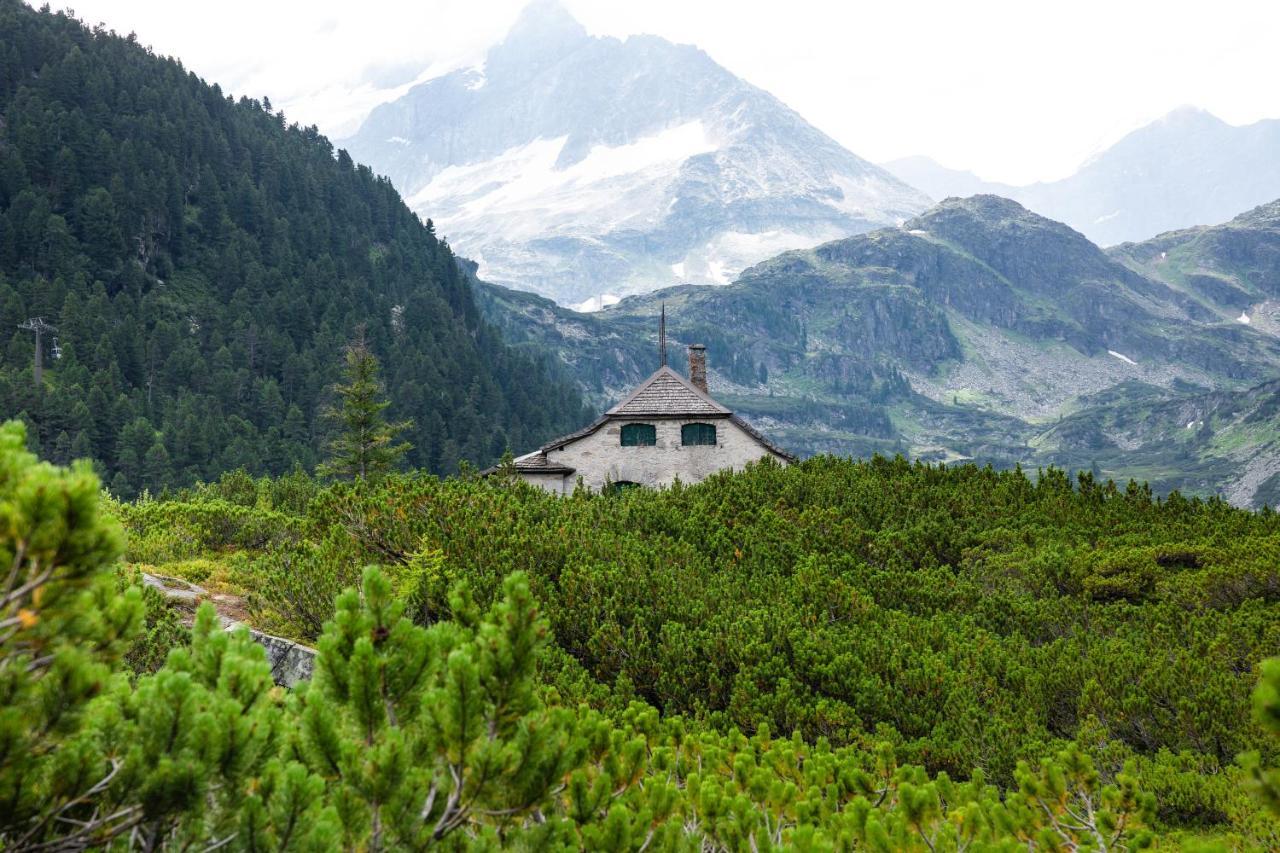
x: 365, y: 446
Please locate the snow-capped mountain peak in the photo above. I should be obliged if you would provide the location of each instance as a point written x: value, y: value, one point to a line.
x: 544, y: 31
x: 577, y: 166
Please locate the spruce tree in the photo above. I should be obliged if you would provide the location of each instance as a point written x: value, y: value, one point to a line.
x: 365, y: 446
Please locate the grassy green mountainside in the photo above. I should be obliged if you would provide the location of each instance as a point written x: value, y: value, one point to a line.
x: 204, y: 263
x: 1225, y: 442
x: 971, y: 332
x: 1233, y: 268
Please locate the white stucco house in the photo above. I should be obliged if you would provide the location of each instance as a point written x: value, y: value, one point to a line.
x: 667, y: 428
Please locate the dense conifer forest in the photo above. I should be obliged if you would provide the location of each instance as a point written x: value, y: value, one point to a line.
x: 204, y: 264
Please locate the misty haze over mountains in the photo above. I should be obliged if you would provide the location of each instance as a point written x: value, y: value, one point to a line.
x: 1188, y: 168
x: 581, y: 167
x: 585, y: 169
x: 855, y: 316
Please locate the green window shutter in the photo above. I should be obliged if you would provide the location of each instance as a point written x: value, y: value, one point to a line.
x: 698, y: 434
x: 639, y: 435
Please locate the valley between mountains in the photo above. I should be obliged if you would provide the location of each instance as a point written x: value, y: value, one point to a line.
x: 250, y: 383
x: 978, y: 331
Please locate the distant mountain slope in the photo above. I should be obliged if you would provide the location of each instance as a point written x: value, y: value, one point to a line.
x: 1186, y: 169
x: 966, y: 333
x: 205, y: 263
x: 1221, y: 442
x: 576, y: 166
x: 1233, y: 268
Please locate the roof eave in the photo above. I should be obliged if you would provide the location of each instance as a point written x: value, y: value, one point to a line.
x: 759, y: 436
x: 668, y: 416
x: 541, y: 469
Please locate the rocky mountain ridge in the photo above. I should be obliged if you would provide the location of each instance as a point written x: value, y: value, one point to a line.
x: 975, y: 330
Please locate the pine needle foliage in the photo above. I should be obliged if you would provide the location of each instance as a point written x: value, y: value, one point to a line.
x: 87, y: 757
x: 62, y: 628
x: 1266, y: 706
x: 365, y: 445
x: 440, y: 731
x: 422, y: 733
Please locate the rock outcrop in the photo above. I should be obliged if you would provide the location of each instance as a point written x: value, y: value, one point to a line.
x: 291, y: 662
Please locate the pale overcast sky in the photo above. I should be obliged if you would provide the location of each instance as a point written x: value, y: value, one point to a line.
x: 1017, y: 91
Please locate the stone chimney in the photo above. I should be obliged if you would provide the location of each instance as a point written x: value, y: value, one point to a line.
x: 698, y: 367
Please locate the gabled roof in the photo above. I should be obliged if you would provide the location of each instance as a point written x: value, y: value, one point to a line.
x: 666, y: 393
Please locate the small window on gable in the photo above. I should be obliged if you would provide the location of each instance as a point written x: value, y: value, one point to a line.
x: 639, y: 435
x: 620, y: 486
x: 698, y: 434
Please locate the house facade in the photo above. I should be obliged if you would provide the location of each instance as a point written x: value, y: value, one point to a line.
x: 668, y: 428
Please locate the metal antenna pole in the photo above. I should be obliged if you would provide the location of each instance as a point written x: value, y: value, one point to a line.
x: 39, y: 326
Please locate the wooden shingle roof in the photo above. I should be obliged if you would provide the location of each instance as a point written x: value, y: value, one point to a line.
x: 666, y: 394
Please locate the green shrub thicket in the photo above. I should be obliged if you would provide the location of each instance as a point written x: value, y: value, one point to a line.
x: 413, y: 737
x: 971, y: 619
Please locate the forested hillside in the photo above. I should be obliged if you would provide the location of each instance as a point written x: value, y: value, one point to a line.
x: 204, y: 263
x: 967, y: 618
